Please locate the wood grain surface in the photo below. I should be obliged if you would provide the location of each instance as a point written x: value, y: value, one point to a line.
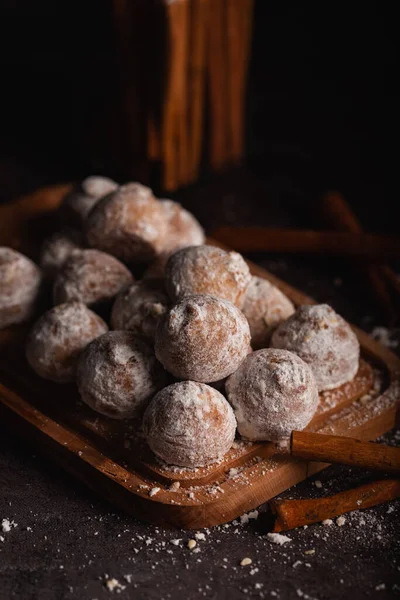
x: 94, y: 449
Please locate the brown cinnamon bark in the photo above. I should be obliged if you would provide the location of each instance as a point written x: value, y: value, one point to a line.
x: 217, y: 58
x: 170, y: 117
x: 289, y: 514
x: 335, y: 243
x: 197, y: 64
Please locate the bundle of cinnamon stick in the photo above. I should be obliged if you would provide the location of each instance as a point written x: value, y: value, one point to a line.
x: 199, y: 50
x: 206, y: 72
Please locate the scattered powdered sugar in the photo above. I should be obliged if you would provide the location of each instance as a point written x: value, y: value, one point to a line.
x: 113, y: 585
x: 174, y: 487
x: 303, y: 595
x: 233, y: 472
x: 228, y: 545
x: 278, y: 538
x: 7, y: 525
x: 364, y: 380
x: 380, y: 587
x: 176, y: 542
x: 244, y: 519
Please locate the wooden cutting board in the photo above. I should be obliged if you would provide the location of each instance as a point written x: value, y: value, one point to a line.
x: 114, y: 461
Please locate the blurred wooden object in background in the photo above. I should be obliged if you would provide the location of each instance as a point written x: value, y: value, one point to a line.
x: 183, y: 98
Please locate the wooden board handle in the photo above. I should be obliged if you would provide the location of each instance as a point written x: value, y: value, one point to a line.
x: 345, y: 451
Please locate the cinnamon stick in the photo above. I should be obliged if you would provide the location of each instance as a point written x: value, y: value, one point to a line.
x: 345, y: 451
x: 247, y: 23
x: 283, y: 515
x: 234, y: 51
x: 199, y: 16
x: 342, y: 218
x: 335, y: 243
x: 169, y: 118
x: 217, y: 72
x: 183, y: 9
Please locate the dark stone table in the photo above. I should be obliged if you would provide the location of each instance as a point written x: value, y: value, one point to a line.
x: 67, y: 543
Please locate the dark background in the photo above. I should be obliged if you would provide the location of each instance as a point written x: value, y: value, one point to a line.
x: 321, y: 114
x: 322, y: 110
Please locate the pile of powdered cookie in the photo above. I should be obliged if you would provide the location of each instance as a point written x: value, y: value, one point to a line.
x: 198, y: 349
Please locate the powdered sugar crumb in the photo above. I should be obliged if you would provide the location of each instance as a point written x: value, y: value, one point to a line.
x: 6, y: 525
x: 277, y: 538
x: 113, y: 585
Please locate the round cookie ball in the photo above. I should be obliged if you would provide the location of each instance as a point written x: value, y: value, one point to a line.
x: 189, y: 424
x: 98, y: 186
x: 128, y: 223
x: 79, y: 202
x: 207, y: 270
x: 183, y: 229
x: 91, y: 277
x: 265, y: 307
x: 57, y: 249
x: 118, y: 374
x: 324, y: 341
x: 202, y: 338
x: 58, y: 338
x: 273, y: 392
x: 20, y: 281
x: 139, y: 308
